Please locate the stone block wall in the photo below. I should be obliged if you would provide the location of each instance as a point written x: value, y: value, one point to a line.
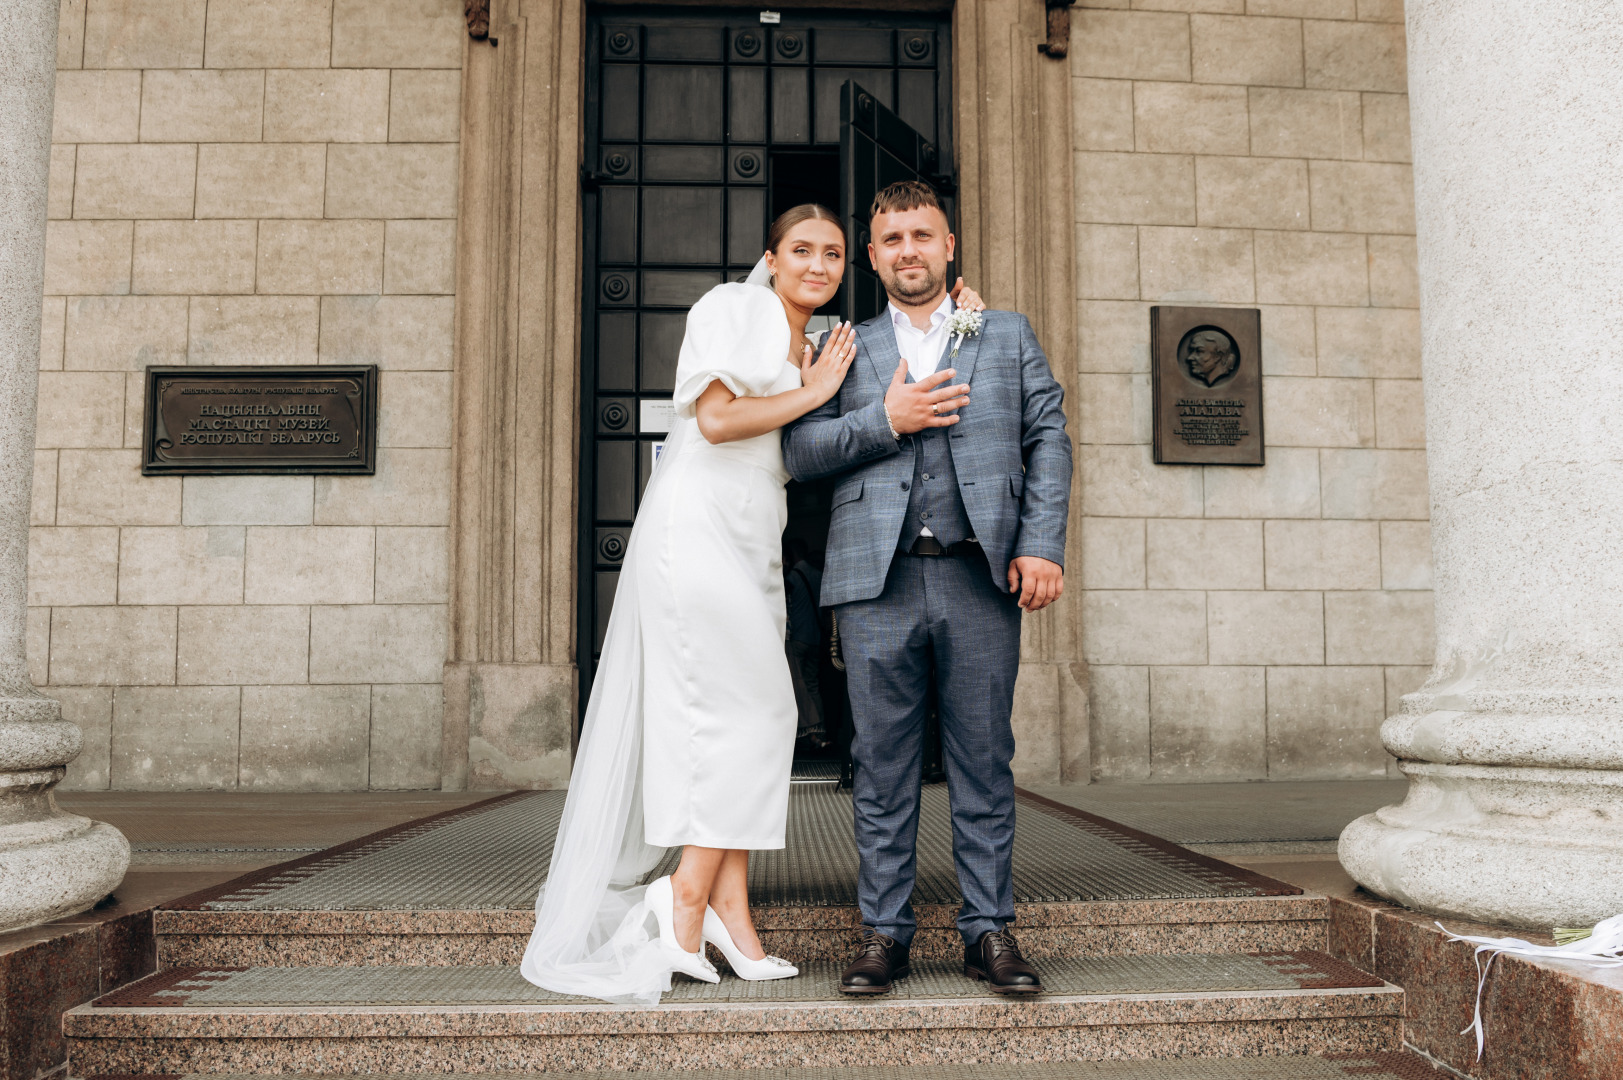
x: 241, y: 181
x: 237, y: 181
x: 1245, y: 623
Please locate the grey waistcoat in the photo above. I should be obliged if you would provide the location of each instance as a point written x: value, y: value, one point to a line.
x: 933, y: 498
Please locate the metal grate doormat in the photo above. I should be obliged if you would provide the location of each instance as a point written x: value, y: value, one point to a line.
x: 819, y: 981
x: 815, y: 771
x: 494, y: 856
x: 273, y: 879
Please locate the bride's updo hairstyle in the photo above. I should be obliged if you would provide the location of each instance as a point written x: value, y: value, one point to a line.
x: 794, y: 216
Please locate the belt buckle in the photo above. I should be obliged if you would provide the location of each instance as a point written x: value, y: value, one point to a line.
x: 928, y: 545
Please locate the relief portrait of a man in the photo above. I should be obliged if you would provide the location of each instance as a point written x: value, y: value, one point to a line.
x: 1210, y: 355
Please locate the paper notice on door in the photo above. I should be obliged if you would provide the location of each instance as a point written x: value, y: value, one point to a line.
x: 657, y: 417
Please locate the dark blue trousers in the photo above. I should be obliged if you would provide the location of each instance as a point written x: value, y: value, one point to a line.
x: 946, y: 608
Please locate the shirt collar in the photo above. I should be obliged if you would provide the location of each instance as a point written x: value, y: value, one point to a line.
x: 941, y: 314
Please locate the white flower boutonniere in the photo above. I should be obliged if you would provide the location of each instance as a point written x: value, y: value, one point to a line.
x: 963, y: 323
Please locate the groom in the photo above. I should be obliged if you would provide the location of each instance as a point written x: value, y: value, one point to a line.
x: 949, y: 520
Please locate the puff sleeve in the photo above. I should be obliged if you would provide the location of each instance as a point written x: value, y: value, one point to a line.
x: 737, y: 334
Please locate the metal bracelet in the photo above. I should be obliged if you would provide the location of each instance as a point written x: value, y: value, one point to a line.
x: 890, y: 423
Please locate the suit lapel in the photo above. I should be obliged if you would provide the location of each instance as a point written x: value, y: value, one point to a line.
x: 879, y: 342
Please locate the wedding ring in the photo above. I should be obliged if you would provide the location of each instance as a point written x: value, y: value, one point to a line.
x: 935, y: 408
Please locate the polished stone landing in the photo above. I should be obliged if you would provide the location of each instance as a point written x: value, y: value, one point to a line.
x: 1278, y: 817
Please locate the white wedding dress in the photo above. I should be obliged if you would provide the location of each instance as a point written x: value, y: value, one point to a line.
x: 689, y: 732
x: 719, y: 713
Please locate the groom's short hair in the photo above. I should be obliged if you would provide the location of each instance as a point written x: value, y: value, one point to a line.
x: 905, y: 195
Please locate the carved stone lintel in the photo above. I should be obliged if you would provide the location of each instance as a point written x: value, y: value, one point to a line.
x: 1058, y: 44
x: 478, y: 13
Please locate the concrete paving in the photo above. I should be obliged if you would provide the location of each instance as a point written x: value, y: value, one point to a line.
x: 1206, y: 816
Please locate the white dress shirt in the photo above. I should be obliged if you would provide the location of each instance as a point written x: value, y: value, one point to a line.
x: 921, y: 349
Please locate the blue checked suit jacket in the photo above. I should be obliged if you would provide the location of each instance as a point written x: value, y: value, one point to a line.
x: 1010, y: 450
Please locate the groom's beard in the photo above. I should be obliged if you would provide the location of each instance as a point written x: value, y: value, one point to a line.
x: 920, y: 289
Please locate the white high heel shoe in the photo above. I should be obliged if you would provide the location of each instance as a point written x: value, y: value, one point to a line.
x: 772, y: 967
x: 661, y: 900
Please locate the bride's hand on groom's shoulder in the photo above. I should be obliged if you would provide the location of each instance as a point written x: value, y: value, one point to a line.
x: 824, y: 371
x: 965, y: 297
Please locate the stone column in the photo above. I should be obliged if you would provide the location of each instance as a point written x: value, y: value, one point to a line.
x: 1017, y: 241
x: 1514, y: 746
x: 510, y: 677
x: 51, y: 863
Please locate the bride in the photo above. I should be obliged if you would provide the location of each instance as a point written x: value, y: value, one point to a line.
x: 689, y: 733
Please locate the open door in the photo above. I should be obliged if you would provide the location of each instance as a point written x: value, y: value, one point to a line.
x: 878, y: 148
x: 701, y: 126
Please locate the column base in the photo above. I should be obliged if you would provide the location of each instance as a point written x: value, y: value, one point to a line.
x: 52, y: 863
x: 1533, y: 847
x: 508, y: 726
x: 60, y: 866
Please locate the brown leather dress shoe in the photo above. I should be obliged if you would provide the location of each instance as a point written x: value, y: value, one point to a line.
x: 879, y: 960
x: 996, y: 958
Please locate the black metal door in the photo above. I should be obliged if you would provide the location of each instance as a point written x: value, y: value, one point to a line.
x: 700, y: 128
x: 878, y: 148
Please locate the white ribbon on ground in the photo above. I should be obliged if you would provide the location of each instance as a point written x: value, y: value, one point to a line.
x: 1603, y: 948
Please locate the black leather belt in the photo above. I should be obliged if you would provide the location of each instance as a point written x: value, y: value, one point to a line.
x: 929, y: 545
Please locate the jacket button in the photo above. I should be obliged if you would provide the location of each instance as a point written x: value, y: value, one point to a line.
x: 927, y: 476
x: 904, y: 485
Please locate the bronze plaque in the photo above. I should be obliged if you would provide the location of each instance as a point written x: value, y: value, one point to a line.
x: 1206, y: 381
x: 260, y: 420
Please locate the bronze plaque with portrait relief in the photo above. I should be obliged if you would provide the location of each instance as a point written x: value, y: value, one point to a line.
x: 260, y: 420
x: 1206, y: 383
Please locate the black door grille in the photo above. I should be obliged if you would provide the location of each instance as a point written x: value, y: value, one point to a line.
x: 700, y: 127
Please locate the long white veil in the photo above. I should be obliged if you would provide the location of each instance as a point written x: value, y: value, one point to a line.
x: 591, y: 933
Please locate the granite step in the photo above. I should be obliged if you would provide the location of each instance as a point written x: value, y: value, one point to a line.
x: 1379, y: 1065
x: 497, y: 938
x: 458, y: 888
x: 471, y: 1019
